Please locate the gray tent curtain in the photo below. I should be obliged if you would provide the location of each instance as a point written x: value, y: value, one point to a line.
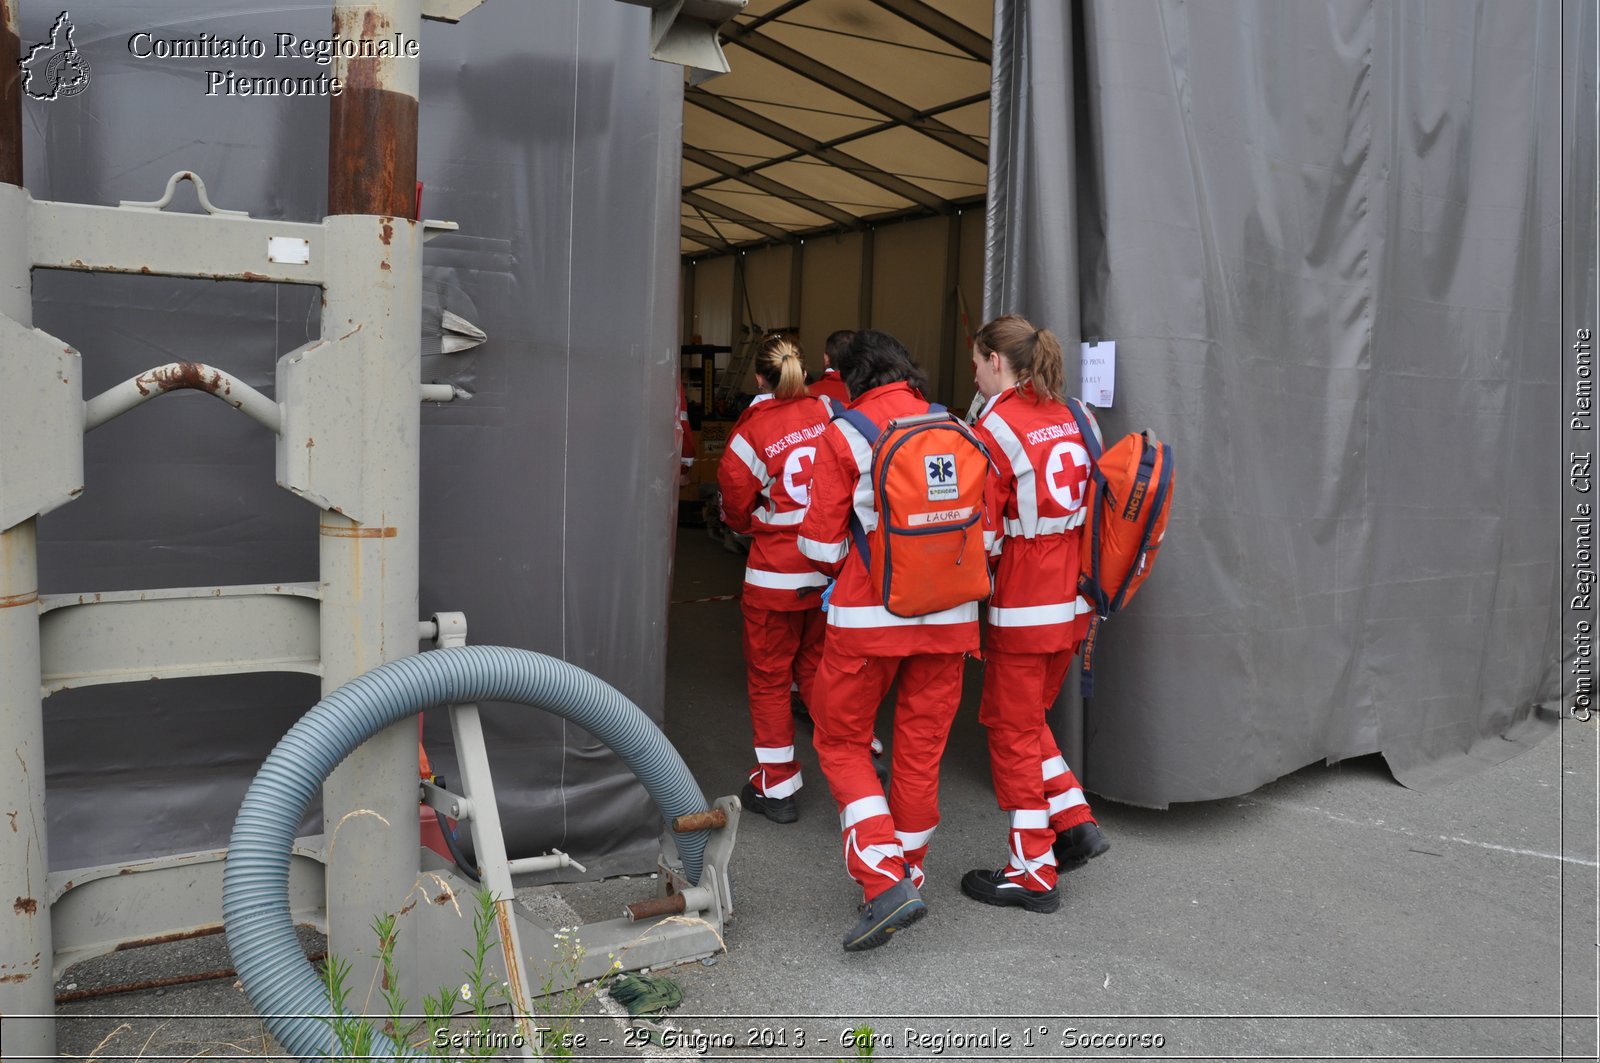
x: 548, y: 498
x: 1326, y: 240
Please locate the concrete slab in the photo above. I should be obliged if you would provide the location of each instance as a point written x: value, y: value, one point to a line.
x: 1331, y: 914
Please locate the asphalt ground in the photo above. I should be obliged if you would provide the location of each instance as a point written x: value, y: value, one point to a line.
x: 1332, y: 914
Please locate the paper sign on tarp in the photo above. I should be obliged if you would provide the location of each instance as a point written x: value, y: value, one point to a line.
x: 1099, y: 373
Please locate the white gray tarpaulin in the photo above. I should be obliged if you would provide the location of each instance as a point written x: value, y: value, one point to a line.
x: 1328, y: 242
x: 548, y: 498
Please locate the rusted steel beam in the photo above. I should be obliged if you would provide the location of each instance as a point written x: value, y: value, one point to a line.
x: 180, y: 376
x: 165, y: 939
x: 713, y: 819
x: 10, y: 93
x: 372, y: 122
x: 671, y: 904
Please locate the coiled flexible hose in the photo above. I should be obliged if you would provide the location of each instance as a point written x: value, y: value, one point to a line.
x: 281, y: 985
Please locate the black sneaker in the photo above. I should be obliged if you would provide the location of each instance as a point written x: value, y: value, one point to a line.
x: 994, y: 887
x: 892, y: 910
x: 1076, y: 846
x: 777, y: 809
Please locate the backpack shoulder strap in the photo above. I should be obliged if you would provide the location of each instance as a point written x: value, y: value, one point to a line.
x: 859, y: 421
x: 1088, y: 427
x: 869, y: 431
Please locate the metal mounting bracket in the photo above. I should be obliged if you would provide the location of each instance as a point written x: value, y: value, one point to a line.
x: 172, y: 184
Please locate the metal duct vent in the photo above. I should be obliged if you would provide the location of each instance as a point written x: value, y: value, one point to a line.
x: 685, y: 32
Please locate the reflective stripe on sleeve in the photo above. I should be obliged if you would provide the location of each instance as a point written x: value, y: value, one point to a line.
x: 861, y: 450
x: 1027, y: 497
x: 741, y: 448
x: 784, y: 581
x: 1054, y: 766
x: 827, y: 553
x: 779, y: 520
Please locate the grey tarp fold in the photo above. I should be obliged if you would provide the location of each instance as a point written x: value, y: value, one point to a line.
x: 547, y: 499
x: 1326, y: 240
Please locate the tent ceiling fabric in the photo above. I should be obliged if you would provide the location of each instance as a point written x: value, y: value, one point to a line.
x: 837, y: 112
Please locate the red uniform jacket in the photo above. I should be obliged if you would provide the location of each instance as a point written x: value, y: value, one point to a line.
x: 858, y: 624
x: 765, y: 476
x: 829, y: 386
x: 685, y: 433
x: 1038, y: 494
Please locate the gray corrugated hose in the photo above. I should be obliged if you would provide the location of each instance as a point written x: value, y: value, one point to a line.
x: 282, y: 986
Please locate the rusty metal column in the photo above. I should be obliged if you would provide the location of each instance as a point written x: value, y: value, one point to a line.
x: 26, y: 947
x: 369, y: 558
x: 10, y: 93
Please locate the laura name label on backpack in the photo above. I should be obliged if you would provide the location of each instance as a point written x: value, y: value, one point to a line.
x: 941, y: 470
x: 939, y: 516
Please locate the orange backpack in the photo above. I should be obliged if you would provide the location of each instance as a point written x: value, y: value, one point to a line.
x: 928, y: 477
x: 1130, y: 495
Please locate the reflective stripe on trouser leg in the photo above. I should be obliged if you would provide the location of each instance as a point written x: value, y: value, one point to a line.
x: 1063, y: 794
x: 915, y: 846
x: 928, y: 692
x: 772, y: 641
x: 777, y: 780
x: 847, y: 692
x: 1062, y: 791
x: 877, y: 865
x: 1032, y: 861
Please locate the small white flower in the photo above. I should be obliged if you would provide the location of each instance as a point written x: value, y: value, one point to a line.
x: 466, y: 991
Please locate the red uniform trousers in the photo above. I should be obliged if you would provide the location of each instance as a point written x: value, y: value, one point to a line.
x: 885, y: 840
x: 780, y: 647
x: 1031, y: 778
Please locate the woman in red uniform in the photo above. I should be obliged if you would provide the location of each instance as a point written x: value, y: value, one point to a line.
x: 867, y: 648
x: 829, y: 385
x: 1036, y: 616
x: 765, y: 476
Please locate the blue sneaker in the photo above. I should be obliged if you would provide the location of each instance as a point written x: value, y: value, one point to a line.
x: 889, y: 912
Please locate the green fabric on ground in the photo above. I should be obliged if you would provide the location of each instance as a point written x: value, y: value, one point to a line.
x: 646, y: 994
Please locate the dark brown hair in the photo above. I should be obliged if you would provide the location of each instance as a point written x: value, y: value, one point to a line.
x: 837, y: 343
x: 1033, y: 354
x: 874, y: 359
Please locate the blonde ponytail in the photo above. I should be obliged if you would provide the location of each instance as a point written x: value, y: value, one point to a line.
x: 781, y: 364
